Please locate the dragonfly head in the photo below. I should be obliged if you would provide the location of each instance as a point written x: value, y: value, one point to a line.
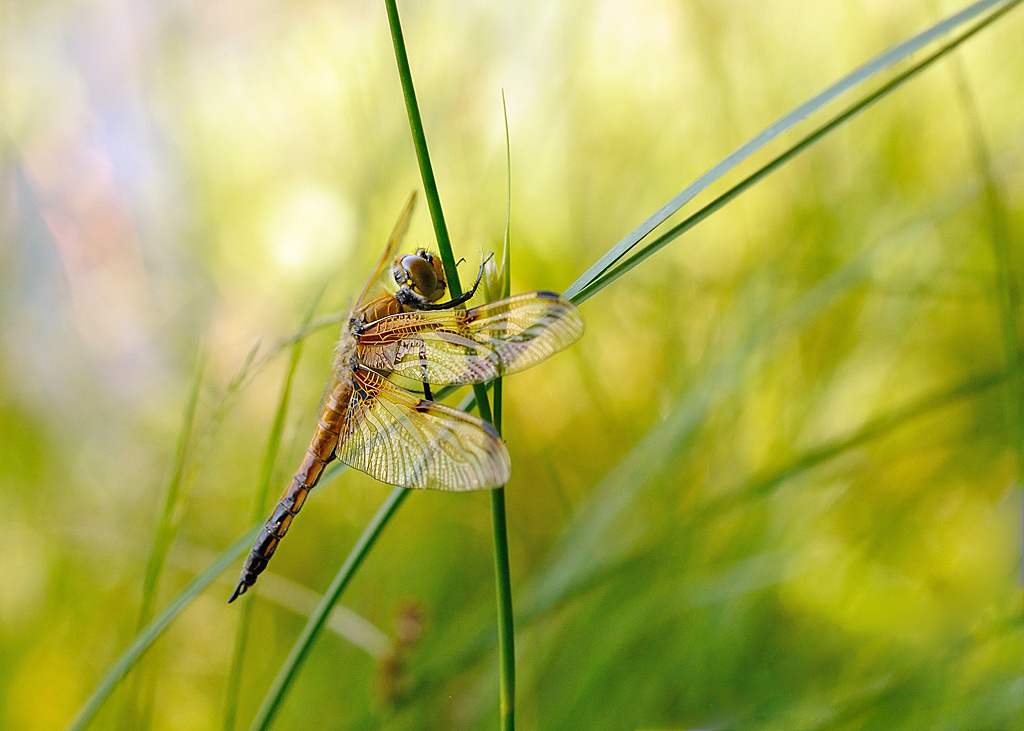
x: 420, y: 278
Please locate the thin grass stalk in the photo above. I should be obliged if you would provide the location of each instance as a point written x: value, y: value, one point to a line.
x: 259, y: 507
x: 138, y: 700
x: 872, y: 430
x: 275, y: 694
x: 506, y: 621
x: 164, y: 534
x: 419, y: 141
x: 875, y: 66
x: 149, y: 634
x: 499, y: 523
x: 587, y: 290
x: 500, y: 529
x: 138, y: 714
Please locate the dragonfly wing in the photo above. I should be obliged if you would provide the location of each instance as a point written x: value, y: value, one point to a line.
x: 471, y: 346
x: 401, y: 439
x: 382, y: 270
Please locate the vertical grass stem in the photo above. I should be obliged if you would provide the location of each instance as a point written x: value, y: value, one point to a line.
x: 501, y: 562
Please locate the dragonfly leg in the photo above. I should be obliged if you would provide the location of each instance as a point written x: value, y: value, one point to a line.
x: 426, y: 386
x: 464, y: 297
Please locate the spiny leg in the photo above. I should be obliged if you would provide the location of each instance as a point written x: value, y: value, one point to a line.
x: 464, y: 297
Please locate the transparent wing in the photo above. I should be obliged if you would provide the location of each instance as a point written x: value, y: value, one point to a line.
x: 403, y: 440
x: 471, y: 346
x: 376, y: 282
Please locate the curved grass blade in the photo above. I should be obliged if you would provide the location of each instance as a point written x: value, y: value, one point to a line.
x: 582, y: 548
x: 587, y: 290
x: 154, y: 629
x: 870, y: 431
x: 875, y: 66
x: 346, y: 624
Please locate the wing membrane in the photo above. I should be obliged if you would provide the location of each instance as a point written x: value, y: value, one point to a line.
x: 377, y: 279
x: 471, y: 346
x: 404, y: 440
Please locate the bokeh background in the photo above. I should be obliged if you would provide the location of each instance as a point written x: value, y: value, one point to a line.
x: 776, y: 485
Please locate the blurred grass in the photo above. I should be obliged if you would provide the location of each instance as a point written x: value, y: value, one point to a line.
x: 259, y: 510
x: 181, y: 172
x: 1008, y: 271
x: 156, y: 627
x: 139, y: 702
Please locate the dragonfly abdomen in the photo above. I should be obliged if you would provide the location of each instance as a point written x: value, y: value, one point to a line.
x: 320, y: 452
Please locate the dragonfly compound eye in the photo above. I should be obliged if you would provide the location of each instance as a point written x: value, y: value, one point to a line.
x: 422, y: 276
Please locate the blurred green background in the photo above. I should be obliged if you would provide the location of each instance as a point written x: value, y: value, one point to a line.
x: 777, y: 484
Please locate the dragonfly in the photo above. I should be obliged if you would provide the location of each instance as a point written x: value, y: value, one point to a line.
x: 400, y: 327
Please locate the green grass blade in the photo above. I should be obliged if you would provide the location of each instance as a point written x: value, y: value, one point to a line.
x: 419, y: 140
x: 504, y: 589
x: 165, y: 529
x: 499, y: 523
x: 506, y: 621
x: 875, y: 66
x: 155, y: 628
x: 176, y: 500
x: 137, y: 705
x: 275, y: 695
x: 613, y: 273
x: 761, y: 485
x: 258, y: 511
x: 252, y: 366
x: 506, y: 251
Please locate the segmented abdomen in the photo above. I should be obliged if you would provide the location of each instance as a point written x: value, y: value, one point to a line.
x: 320, y: 452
